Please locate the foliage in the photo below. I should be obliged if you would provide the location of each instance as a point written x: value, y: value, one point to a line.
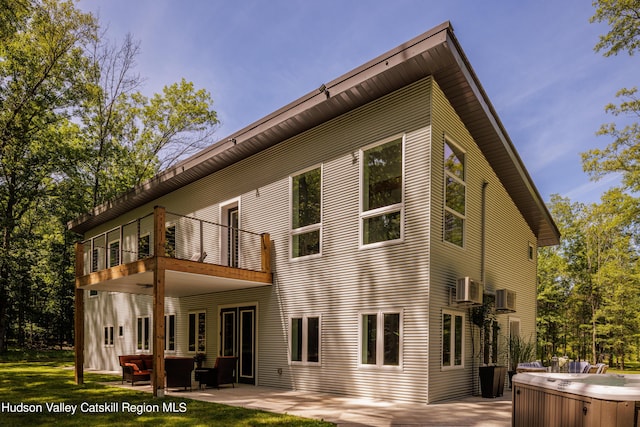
x: 41, y: 383
x: 520, y: 350
x: 75, y: 131
x: 623, y: 18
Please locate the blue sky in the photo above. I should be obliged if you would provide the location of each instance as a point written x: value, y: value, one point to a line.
x: 535, y: 60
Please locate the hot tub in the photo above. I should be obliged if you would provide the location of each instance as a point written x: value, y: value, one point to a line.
x: 554, y: 399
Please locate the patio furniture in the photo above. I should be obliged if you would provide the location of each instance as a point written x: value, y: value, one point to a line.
x: 578, y: 367
x: 530, y: 367
x: 223, y: 372
x: 178, y: 371
x: 598, y: 368
x: 136, y: 367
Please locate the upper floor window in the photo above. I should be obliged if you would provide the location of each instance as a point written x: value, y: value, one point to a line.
x: 306, y: 213
x: 455, y: 194
x: 382, y: 204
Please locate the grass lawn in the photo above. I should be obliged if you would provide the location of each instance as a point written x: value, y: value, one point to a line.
x: 32, y: 385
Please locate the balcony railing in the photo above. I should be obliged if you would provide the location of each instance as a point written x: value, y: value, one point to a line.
x: 186, y: 238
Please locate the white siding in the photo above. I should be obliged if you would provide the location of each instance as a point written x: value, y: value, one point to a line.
x: 506, y: 256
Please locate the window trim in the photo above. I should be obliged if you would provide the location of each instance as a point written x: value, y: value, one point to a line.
x: 446, y: 174
x: 196, y: 332
x: 396, y: 207
x: 453, y: 314
x: 108, y: 338
x: 143, y: 333
x: 380, y: 339
x: 167, y: 332
x: 307, y: 228
x: 305, y: 340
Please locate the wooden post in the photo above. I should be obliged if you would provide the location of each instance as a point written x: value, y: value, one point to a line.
x: 159, y: 221
x: 79, y: 317
x: 265, y: 252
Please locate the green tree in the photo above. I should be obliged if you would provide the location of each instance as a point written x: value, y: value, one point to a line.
x: 38, y: 65
x: 623, y: 154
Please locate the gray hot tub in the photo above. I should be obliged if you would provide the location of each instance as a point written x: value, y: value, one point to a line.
x: 554, y: 399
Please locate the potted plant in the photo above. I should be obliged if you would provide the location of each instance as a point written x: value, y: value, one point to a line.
x: 520, y: 350
x: 199, y: 358
x: 492, y: 376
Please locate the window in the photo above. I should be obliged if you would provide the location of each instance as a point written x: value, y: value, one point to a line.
x: 144, y: 246
x: 143, y: 333
x: 306, y: 213
x: 452, y: 340
x: 93, y: 293
x: 382, y: 168
x: 114, y: 253
x: 108, y: 336
x: 197, y: 331
x: 455, y: 194
x: 120, y: 331
x: 305, y: 339
x: 381, y: 338
x: 170, y: 332
x: 532, y: 252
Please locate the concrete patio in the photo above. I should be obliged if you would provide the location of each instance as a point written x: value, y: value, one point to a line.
x: 347, y: 411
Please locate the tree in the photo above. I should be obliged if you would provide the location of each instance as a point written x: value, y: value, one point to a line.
x: 623, y: 154
x: 38, y: 90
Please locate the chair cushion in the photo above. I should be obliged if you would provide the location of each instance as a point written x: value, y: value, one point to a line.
x: 139, y: 363
x: 132, y: 365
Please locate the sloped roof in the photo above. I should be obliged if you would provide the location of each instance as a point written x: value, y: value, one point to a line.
x: 436, y: 52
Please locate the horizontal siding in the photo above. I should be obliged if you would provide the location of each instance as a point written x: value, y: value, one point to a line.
x: 346, y: 279
x: 506, y: 252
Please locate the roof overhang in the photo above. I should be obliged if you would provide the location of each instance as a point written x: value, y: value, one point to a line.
x: 437, y: 53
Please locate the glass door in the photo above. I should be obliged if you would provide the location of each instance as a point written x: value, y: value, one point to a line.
x: 238, y: 338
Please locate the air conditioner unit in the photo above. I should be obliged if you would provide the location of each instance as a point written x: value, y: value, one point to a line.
x: 469, y: 291
x: 505, y: 300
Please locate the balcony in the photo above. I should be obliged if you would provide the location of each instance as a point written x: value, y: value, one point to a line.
x: 196, y: 257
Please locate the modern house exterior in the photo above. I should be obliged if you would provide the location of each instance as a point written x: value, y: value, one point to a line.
x: 338, y: 244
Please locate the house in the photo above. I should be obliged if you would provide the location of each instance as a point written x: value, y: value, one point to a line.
x: 338, y: 244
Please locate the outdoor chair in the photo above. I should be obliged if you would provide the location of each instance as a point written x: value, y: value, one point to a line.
x: 178, y: 371
x: 579, y: 367
x: 199, y: 257
x: 598, y: 368
x: 223, y: 372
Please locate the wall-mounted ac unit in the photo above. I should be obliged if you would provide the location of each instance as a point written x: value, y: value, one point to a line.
x: 469, y: 291
x: 505, y: 300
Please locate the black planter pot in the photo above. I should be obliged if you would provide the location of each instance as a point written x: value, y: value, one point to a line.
x: 492, y: 380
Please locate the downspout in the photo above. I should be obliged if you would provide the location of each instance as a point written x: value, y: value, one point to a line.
x: 483, y: 230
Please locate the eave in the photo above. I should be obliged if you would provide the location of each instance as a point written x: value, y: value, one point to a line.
x: 437, y: 53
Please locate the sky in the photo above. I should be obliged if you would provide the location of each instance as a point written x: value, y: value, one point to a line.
x: 535, y: 60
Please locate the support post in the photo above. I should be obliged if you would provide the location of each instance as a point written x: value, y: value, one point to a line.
x: 159, y: 221
x: 79, y: 317
x: 265, y: 252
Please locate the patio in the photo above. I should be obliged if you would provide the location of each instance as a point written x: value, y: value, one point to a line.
x: 346, y: 411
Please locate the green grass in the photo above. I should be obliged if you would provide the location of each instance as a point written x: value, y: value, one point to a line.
x: 629, y: 368
x: 39, y: 383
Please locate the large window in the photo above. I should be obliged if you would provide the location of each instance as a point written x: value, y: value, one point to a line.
x: 382, y: 192
x: 306, y: 213
x: 305, y: 339
x: 381, y: 338
x: 144, y: 333
x: 452, y: 340
x: 197, y: 331
x: 455, y: 194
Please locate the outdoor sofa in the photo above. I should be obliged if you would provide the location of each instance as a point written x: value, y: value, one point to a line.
x: 136, y: 367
